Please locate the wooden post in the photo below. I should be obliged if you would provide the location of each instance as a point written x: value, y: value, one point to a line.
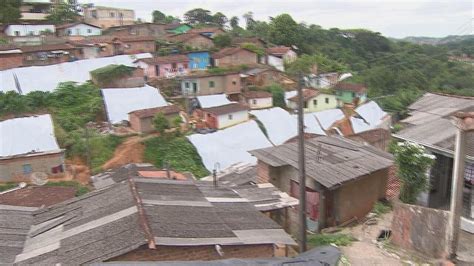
x: 301, y: 169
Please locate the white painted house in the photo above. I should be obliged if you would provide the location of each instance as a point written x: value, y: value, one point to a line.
x: 258, y: 99
x: 29, y: 29
x: 223, y: 116
x: 279, y: 55
x: 78, y: 29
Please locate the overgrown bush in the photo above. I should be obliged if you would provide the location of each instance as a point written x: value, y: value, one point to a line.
x: 413, y: 164
x: 161, y: 123
x: 178, y: 152
x: 254, y: 48
x: 111, y: 72
x: 278, y: 95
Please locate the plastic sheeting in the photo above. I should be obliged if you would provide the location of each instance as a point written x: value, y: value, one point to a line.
x: 327, y: 117
x: 212, y: 100
x: 27, y: 134
x: 47, y: 78
x: 230, y: 146
x: 280, y: 125
x: 371, y: 113
x: 119, y: 102
x: 359, y: 125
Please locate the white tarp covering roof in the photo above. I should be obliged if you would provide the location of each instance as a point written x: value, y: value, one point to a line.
x: 290, y: 94
x: 327, y: 117
x: 372, y: 116
x: 280, y: 125
x: 371, y: 112
x: 119, y: 102
x: 230, y: 146
x: 311, y: 124
x: 27, y: 134
x: 212, y: 100
x: 46, y: 78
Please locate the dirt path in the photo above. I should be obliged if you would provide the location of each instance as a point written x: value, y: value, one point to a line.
x: 131, y: 151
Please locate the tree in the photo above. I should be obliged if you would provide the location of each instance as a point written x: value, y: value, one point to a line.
x: 234, y: 22
x: 222, y: 40
x: 9, y: 11
x: 249, y: 21
x: 284, y: 30
x: 161, y: 123
x: 278, y: 95
x: 412, y: 164
x: 158, y: 16
x: 220, y: 19
x: 63, y: 13
x: 198, y: 16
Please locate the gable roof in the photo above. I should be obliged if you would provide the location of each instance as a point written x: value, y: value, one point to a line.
x: 64, y: 26
x: 257, y: 94
x: 331, y: 161
x: 359, y: 88
x: 229, y: 51
x: 173, y: 26
x: 205, y: 30
x: 308, y: 94
x: 226, y: 109
x: 37, y: 196
x: 150, y: 112
x: 182, y: 37
x: 278, y: 50
x: 179, y: 58
x: 239, y: 40
x: 122, y: 217
x: 47, y: 47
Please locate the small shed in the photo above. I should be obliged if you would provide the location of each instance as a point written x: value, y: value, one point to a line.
x: 142, y: 120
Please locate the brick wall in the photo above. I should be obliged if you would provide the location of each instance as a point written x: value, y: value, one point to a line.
x: 263, y: 172
x: 189, y: 253
x: 200, y: 42
x: 8, y: 61
x: 12, y: 169
x: 419, y: 228
x: 140, y: 47
x: 243, y: 57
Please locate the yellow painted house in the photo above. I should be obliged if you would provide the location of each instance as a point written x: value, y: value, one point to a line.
x: 314, y: 101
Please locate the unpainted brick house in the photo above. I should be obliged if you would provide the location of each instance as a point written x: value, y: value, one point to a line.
x: 142, y: 120
x: 350, y: 176
x: 234, y: 56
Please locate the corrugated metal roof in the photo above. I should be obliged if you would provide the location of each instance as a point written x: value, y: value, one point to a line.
x: 340, y: 160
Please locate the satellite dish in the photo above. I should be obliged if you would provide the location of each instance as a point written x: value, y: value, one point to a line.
x: 39, y: 178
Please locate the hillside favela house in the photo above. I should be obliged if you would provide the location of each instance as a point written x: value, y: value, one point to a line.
x: 234, y: 56
x: 10, y: 56
x: 314, y: 100
x: 165, y: 66
x: 350, y: 175
x: 142, y: 219
x: 223, y: 116
x: 193, y: 40
x: 199, y: 60
x: 28, y: 145
x: 258, y: 99
x: 106, y: 17
x: 430, y: 125
x: 279, y: 56
x: 208, y: 83
x: 141, y: 120
x: 78, y: 29
x: 351, y: 93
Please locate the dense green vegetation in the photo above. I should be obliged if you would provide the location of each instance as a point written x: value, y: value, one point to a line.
x: 111, y: 72
x: 381, y: 208
x: 278, y: 95
x: 10, y: 11
x: 177, y: 151
x: 338, y: 239
x: 7, y: 186
x: 72, y: 106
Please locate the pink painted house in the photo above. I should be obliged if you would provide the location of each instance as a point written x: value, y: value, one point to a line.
x: 165, y: 66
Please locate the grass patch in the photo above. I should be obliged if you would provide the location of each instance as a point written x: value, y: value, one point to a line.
x: 327, y: 239
x: 178, y: 151
x: 381, y: 208
x: 7, y: 186
x: 80, y: 189
x: 102, y: 149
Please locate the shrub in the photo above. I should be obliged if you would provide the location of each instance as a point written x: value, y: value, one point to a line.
x: 161, y: 123
x: 111, y: 72
x: 278, y: 95
x: 412, y: 164
x: 381, y: 208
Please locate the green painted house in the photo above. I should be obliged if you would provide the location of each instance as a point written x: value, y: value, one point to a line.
x: 351, y: 93
x: 178, y: 28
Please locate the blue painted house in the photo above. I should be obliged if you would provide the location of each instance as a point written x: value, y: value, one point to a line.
x: 199, y: 60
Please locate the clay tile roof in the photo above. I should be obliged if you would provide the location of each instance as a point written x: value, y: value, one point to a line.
x: 7, y: 47
x: 307, y: 94
x: 257, y: 94
x: 165, y: 59
x: 46, y: 47
x: 64, y: 26
x: 149, y: 112
x: 226, y: 109
x: 136, y: 38
x: 32, y: 196
x: 228, y: 51
x: 173, y: 26
x: 351, y: 87
x: 185, y: 37
x: 278, y: 50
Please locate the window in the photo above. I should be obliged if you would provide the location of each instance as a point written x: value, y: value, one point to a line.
x: 230, y: 117
x: 254, y: 101
x: 89, y: 30
x: 305, y: 105
x: 31, y: 33
x: 17, y: 33
x: 315, y: 102
x: 186, y: 85
x: 327, y: 100
x: 112, y: 14
x: 69, y: 32
x: 94, y: 13
x: 27, y: 169
x: 211, y: 84
x: 234, y: 82
x: 78, y: 31
x: 174, y: 66
x: 353, y: 94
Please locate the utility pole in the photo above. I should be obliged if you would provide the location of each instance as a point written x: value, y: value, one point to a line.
x: 301, y: 168
x: 464, y: 123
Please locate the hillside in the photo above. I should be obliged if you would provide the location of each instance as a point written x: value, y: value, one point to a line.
x: 436, y: 41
